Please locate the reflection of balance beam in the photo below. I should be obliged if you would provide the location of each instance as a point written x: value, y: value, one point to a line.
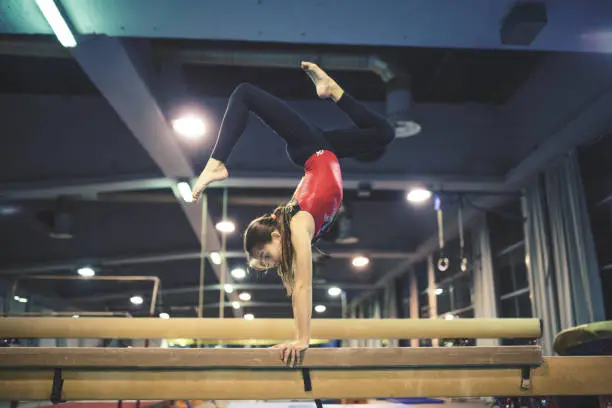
x: 139, y: 373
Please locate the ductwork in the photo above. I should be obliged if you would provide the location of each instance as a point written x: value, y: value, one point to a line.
x: 399, y: 106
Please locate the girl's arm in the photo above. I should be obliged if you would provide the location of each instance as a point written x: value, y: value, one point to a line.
x: 302, y: 231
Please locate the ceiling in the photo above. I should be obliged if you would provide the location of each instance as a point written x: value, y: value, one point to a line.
x: 90, y: 125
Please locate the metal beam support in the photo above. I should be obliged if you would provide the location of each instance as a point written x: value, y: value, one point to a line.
x: 243, y: 179
x: 251, y: 305
x: 22, y: 269
x: 236, y: 287
x: 122, y: 73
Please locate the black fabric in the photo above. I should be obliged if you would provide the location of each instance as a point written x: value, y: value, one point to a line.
x: 370, y: 132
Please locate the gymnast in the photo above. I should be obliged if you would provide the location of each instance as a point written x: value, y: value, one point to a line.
x: 283, y: 238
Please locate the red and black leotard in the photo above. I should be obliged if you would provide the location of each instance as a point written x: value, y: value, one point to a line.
x: 320, y: 190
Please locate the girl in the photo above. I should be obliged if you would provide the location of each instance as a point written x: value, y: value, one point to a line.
x: 283, y: 238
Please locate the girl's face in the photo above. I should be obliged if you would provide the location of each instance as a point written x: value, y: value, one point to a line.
x: 268, y: 256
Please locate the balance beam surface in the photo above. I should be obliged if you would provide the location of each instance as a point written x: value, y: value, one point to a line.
x: 233, y: 329
x: 157, y: 358
x: 556, y: 376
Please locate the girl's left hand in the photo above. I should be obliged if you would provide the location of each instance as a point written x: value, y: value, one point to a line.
x: 291, y: 353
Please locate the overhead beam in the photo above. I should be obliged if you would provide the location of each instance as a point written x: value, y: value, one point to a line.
x: 220, y: 329
x: 124, y: 76
x: 236, y: 286
x: 577, y: 97
x: 555, y: 377
x: 22, y: 269
x: 257, y: 179
x: 89, y: 357
x: 399, y: 23
x: 250, y: 305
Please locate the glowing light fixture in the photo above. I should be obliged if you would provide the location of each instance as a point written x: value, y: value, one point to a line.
x: 185, y: 190
x: 418, y: 195
x: 320, y: 308
x: 189, y: 126
x: 334, y: 291
x: 225, y: 226
x: 59, y: 26
x: 360, y: 261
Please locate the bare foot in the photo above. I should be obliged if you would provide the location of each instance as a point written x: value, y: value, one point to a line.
x: 213, y: 171
x: 326, y: 86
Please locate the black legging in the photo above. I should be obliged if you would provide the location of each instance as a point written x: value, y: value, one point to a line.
x: 371, y: 133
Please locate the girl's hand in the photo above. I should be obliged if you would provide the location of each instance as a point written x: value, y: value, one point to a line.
x: 291, y: 353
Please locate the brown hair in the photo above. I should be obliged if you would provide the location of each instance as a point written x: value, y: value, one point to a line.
x: 259, y: 232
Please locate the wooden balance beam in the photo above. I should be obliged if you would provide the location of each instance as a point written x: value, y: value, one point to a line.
x: 124, y: 374
x: 158, y: 358
x: 239, y: 329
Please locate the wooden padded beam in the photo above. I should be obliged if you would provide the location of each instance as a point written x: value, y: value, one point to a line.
x: 232, y: 329
x: 38, y: 357
x: 556, y: 376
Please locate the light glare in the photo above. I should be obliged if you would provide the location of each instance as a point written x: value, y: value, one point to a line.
x: 320, y: 308
x: 57, y: 22
x: 334, y: 291
x: 418, y: 195
x: 86, y: 272
x: 225, y: 226
x: 185, y: 189
x: 360, y: 261
x: 190, y: 126
x: 136, y: 300
x: 238, y: 273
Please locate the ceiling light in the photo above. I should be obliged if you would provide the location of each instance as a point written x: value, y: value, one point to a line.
x: 7, y: 210
x: 185, y: 190
x: 136, y: 300
x: 320, y: 308
x: 226, y: 226
x: 244, y: 296
x: 249, y: 316
x: 189, y: 126
x: 439, y: 291
x: 86, y: 272
x: 236, y: 305
x: 215, y: 258
x: 57, y: 22
x: 418, y: 195
x: 334, y: 291
x: 360, y: 261
x: 238, y: 273
x: 164, y: 316
x: 23, y: 300
x: 228, y: 288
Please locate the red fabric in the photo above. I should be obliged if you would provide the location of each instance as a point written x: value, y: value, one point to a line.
x: 320, y: 190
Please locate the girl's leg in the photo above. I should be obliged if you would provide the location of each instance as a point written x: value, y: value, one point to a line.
x: 371, y: 131
x: 274, y: 112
